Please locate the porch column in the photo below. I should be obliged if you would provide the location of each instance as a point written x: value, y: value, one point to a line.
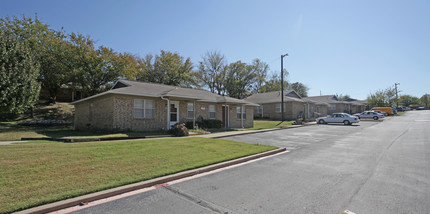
x: 241, y: 116
x: 168, y: 114
x: 194, y: 114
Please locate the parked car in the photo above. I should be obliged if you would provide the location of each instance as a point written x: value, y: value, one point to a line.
x: 380, y: 112
x: 369, y: 115
x: 344, y: 118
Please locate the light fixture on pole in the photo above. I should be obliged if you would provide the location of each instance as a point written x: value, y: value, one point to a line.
x: 282, y: 86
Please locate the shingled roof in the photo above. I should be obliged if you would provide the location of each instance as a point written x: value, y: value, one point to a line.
x: 274, y: 97
x: 136, y: 88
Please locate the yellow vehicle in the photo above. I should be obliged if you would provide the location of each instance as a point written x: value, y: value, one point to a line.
x: 387, y: 110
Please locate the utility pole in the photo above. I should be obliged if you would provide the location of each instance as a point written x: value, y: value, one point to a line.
x: 397, y: 97
x: 282, y: 86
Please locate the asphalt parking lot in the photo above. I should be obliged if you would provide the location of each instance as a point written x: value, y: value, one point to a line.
x: 371, y: 167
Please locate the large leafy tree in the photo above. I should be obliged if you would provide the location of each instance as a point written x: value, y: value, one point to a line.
x: 274, y: 83
x: 261, y: 69
x: 94, y: 69
x: 48, y: 47
x: 300, y: 88
x: 167, y: 68
x: 382, y: 98
x: 239, y: 79
x: 212, y: 72
x: 425, y: 100
x: 18, y: 73
x: 408, y: 100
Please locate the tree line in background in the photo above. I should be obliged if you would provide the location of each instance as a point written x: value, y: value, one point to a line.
x: 388, y: 98
x: 34, y: 56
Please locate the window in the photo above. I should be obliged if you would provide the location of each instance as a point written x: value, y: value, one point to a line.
x: 332, y: 107
x: 278, y: 107
x: 143, y: 108
x: 212, y: 112
x: 239, y: 112
x: 258, y: 109
x: 190, y: 110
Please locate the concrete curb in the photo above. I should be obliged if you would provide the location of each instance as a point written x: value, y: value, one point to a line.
x: 131, y: 187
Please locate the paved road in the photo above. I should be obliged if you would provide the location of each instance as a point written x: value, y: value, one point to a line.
x: 372, y: 167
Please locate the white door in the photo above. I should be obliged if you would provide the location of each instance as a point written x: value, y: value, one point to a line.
x: 174, y: 112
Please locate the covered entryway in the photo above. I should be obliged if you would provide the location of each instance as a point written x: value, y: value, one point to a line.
x: 174, y: 113
x: 225, y: 117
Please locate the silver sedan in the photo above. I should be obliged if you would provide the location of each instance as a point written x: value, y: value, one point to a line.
x: 370, y: 115
x: 344, y: 118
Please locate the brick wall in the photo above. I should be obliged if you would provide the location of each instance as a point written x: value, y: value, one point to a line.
x: 96, y: 113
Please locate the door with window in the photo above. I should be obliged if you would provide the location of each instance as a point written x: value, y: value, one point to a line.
x: 174, y: 112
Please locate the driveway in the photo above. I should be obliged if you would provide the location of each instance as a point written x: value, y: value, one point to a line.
x: 372, y: 167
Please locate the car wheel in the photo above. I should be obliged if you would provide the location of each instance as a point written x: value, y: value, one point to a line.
x: 375, y: 118
x: 346, y: 122
x: 321, y: 121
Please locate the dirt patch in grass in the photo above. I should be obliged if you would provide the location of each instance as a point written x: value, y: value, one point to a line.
x: 35, y: 174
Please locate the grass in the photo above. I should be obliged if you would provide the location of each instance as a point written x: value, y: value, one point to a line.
x: 10, y: 131
x: 39, y: 173
x: 268, y: 124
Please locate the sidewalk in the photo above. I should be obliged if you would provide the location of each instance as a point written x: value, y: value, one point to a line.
x: 243, y: 132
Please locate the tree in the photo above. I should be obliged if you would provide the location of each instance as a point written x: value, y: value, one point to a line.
x: 261, y: 69
x: 300, y: 88
x: 48, y: 48
x: 425, y: 100
x: 167, y: 68
x: 95, y: 70
x: 342, y: 97
x: 212, y: 72
x: 382, y: 98
x: 274, y: 83
x: 18, y: 73
x: 408, y: 100
x: 240, y: 78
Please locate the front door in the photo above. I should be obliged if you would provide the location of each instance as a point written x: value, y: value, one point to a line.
x: 174, y: 112
x: 225, y: 116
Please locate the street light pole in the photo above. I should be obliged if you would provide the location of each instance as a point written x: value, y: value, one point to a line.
x: 397, y: 97
x: 282, y: 86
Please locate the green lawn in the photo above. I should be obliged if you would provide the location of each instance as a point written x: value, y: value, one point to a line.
x: 35, y: 174
x: 10, y: 131
x: 268, y: 124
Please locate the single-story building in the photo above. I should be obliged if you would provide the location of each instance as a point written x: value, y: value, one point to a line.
x: 334, y: 105
x: 139, y: 106
x: 294, y: 105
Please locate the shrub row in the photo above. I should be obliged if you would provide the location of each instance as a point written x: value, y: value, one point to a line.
x: 205, y: 124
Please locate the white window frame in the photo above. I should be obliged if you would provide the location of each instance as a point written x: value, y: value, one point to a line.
x: 278, y: 107
x: 144, y: 109
x: 212, y: 109
x: 240, y: 112
x: 190, y: 111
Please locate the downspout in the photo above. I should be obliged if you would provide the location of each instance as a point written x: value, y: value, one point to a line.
x: 168, y: 111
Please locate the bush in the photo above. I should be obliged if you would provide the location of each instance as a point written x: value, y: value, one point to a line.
x: 205, y: 124
x: 179, y: 130
x: 212, y: 124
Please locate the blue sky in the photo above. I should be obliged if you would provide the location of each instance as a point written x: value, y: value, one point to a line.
x: 335, y: 46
